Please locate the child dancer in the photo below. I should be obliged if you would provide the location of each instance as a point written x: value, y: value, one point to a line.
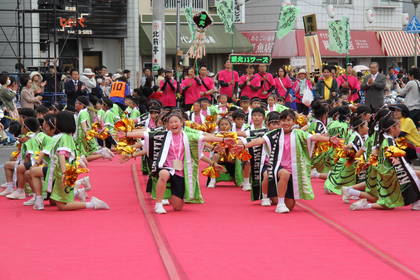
x: 273, y: 105
x: 289, y: 167
x: 177, y: 163
x: 63, y: 152
x: 398, y: 183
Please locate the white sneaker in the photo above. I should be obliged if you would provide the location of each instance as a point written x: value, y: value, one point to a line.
x: 246, y: 187
x: 7, y: 191
x: 80, y: 194
x: 314, y: 173
x: 359, y: 205
x: 106, y: 154
x: 30, y: 202
x: 98, y: 204
x: 17, y: 194
x: 85, y: 181
x: 346, y: 195
x: 282, y: 208
x: 416, y: 206
x: 7, y: 185
x: 39, y: 204
x: 159, y: 209
x: 265, y: 202
x: 212, y: 183
x: 165, y: 202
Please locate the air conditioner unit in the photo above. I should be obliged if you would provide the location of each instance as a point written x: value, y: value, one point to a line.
x: 88, y: 44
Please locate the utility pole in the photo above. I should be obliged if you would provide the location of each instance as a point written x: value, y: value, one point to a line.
x: 416, y: 3
x: 178, y: 53
x: 158, y: 35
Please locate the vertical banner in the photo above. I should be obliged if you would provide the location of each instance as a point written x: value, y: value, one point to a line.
x: 225, y: 12
x: 287, y: 20
x: 239, y: 16
x: 189, y: 17
x: 339, y: 35
x: 157, y: 45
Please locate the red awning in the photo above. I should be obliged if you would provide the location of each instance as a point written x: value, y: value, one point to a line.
x: 363, y: 44
x: 398, y: 43
x: 263, y: 42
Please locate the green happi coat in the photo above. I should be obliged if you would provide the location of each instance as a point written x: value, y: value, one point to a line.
x: 371, y: 173
x: 278, y: 108
x: 101, y: 114
x: 398, y: 184
x: 300, y: 147
x: 321, y: 162
x: 157, y: 147
x: 59, y: 192
x: 342, y: 174
x: 257, y: 161
x: 84, y: 147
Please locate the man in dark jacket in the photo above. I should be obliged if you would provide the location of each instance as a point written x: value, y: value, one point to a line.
x: 374, y: 86
x: 74, y: 88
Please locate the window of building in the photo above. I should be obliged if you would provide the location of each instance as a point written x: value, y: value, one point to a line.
x: 338, y: 2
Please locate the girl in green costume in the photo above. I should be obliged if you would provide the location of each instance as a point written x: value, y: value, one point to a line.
x: 63, y: 152
x: 289, y: 168
x: 343, y: 173
x: 232, y: 168
x: 132, y: 111
x: 398, y: 183
x: 177, y: 162
x: 321, y: 161
x: 87, y: 148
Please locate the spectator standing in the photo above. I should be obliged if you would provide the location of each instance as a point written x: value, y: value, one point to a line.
x: 7, y: 97
x: 373, y: 86
x: 245, y: 83
x: 74, y: 88
x: 27, y: 97
x: 168, y: 87
x: 228, y: 80
x: 302, y: 83
x: 88, y: 79
x: 349, y: 84
x: 411, y: 93
x: 263, y: 83
x: 283, y: 84
x: 327, y: 87
x: 37, y: 83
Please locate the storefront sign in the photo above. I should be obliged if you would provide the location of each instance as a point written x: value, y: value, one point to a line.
x: 89, y: 19
x: 249, y: 59
x: 157, y: 39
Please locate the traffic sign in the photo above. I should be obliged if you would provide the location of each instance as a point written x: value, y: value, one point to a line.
x: 413, y: 26
x: 249, y: 59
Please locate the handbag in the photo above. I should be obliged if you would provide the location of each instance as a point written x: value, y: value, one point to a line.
x: 308, y: 97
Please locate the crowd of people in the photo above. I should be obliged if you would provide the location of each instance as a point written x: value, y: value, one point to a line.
x: 268, y: 134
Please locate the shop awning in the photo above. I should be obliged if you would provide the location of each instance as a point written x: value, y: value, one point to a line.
x: 264, y: 42
x: 217, y: 40
x: 398, y: 43
x: 363, y: 44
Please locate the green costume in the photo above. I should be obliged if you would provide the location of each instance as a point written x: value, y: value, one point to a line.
x: 157, y: 147
x: 371, y: 173
x: 101, y: 114
x: 321, y: 162
x: 342, y: 174
x: 278, y: 108
x: 59, y: 192
x: 300, y: 145
x: 84, y: 147
x: 398, y: 183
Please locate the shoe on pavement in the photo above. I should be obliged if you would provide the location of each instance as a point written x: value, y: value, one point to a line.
x: 416, y: 206
x: 159, y: 209
x: 17, y: 194
x: 99, y: 204
x: 80, y: 194
x: 282, y: 208
x: 265, y: 202
x: 165, y: 202
x: 7, y: 185
x: 30, y: 202
x: 346, y: 195
x: 85, y: 181
x: 7, y: 191
x: 246, y: 187
x: 359, y: 205
x: 212, y: 183
x: 39, y: 204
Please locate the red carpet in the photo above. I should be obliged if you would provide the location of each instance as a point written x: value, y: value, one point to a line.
x: 83, y: 244
x: 228, y: 237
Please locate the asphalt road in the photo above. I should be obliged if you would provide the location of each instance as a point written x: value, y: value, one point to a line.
x: 4, y: 156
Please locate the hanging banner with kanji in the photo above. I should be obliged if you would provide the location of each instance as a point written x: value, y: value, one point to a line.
x: 157, y: 45
x: 287, y: 20
x: 189, y: 17
x: 225, y: 12
x: 339, y: 35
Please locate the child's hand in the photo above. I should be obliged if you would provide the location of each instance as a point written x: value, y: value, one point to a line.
x: 335, y: 140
